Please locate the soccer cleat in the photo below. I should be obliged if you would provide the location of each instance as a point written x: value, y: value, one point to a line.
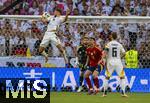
x: 123, y: 94
x: 95, y: 92
x: 90, y: 92
x: 104, y: 94
x: 80, y: 89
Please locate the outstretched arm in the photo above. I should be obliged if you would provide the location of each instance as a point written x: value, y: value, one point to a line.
x: 67, y: 14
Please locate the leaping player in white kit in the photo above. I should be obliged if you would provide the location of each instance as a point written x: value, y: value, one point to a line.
x: 50, y: 35
x: 114, y: 52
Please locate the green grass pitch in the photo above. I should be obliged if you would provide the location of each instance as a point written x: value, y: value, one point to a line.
x: 68, y: 97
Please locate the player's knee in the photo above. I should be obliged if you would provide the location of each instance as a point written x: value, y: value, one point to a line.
x: 41, y: 49
x: 95, y: 75
x: 86, y: 75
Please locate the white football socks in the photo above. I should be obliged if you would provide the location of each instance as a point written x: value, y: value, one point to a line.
x: 105, y: 84
x: 123, y: 84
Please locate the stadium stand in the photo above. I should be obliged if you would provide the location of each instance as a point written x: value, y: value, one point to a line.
x: 16, y: 36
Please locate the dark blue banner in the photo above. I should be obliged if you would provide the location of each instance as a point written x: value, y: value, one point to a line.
x: 137, y: 79
x: 59, y: 77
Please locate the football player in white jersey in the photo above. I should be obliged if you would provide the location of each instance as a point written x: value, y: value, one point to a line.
x: 114, y: 52
x: 50, y: 35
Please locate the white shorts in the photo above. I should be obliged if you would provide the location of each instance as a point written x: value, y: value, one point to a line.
x: 50, y: 37
x: 114, y: 65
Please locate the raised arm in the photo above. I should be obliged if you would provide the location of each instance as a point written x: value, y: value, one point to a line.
x: 67, y: 14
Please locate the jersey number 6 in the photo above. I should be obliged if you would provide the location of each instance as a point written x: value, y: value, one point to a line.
x: 114, y: 52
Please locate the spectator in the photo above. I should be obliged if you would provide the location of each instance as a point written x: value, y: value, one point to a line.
x: 76, y: 11
x: 7, y: 49
x: 75, y: 41
x: 25, y: 25
x: 2, y: 2
x: 13, y: 42
x: 34, y: 10
x: 2, y: 43
x: 107, y: 9
x: 21, y: 48
x: 85, y: 7
x: 123, y: 37
x: 31, y: 40
x: 118, y: 10
x: 144, y: 53
x: 105, y: 33
x: 132, y: 29
x: 98, y: 8
x: 148, y: 7
x: 20, y: 34
x: 138, y: 9
x: 35, y: 51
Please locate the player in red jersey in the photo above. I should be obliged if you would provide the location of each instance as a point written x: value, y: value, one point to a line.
x: 94, y: 60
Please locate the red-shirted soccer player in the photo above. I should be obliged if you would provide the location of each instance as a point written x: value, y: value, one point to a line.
x: 94, y: 60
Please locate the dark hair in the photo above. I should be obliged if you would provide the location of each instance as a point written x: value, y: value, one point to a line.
x: 85, y: 37
x: 92, y: 38
x: 114, y: 35
x: 58, y: 9
x: 76, y: 9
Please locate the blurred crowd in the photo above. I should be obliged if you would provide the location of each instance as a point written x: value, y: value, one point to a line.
x: 17, y: 37
x: 80, y: 7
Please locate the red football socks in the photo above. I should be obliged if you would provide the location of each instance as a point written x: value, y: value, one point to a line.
x: 96, y: 82
x: 88, y: 81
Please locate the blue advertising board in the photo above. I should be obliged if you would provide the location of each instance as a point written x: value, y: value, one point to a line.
x: 137, y: 79
x: 58, y: 76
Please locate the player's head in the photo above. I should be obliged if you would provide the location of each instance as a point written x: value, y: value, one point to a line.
x: 91, y: 41
x: 57, y: 12
x: 84, y: 41
x: 113, y: 36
